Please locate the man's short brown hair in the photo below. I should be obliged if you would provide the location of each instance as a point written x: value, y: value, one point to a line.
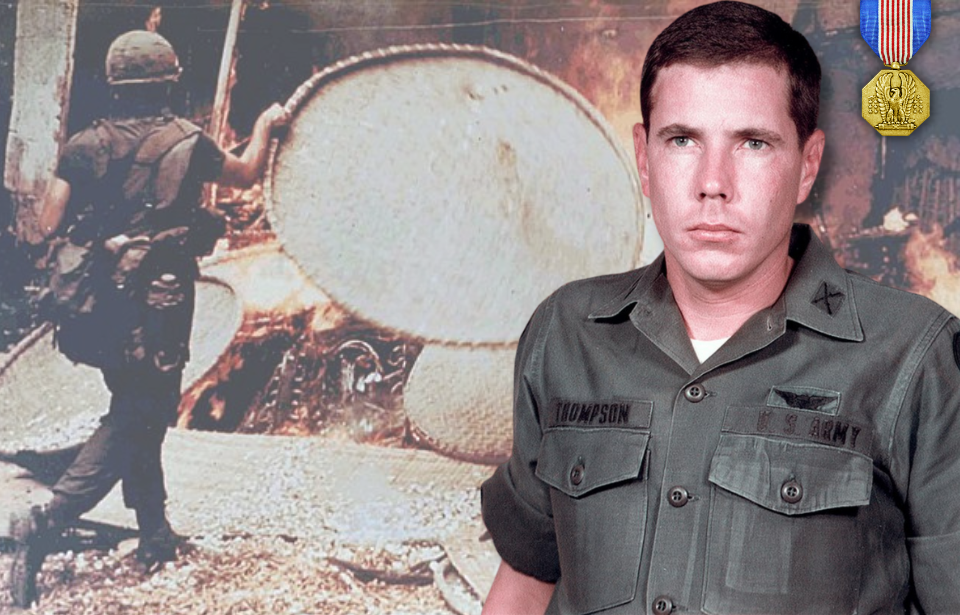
x: 733, y: 32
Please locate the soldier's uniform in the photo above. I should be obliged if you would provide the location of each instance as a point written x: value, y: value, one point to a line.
x: 123, y: 269
x: 808, y: 466
x: 138, y: 329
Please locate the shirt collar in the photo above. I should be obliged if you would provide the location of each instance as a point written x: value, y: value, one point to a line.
x: 818, y: 294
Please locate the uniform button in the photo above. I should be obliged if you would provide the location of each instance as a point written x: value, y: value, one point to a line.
x: 678, y: 497
x: 576, y: 474
x: 662, y: 605
x: 791, y: 492
x: 694, y: 393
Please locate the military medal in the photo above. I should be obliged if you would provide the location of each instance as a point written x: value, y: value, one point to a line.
x: 895, y: 102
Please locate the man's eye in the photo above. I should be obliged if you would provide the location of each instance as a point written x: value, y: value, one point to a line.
x: 681, y: 141
x: 756, y: 144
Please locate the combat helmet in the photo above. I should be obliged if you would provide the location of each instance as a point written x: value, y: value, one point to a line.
x: 140, y: 56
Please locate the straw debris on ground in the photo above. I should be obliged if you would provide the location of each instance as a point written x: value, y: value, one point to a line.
x: 238, y: 575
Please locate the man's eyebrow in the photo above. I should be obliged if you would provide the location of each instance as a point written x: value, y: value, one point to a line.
x: 760, y: 134
x: 676, y: 130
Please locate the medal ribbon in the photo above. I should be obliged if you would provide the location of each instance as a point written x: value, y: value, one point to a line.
x: 895, y: 29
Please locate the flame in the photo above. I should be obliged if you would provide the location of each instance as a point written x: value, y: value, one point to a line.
x: 279, y: 302
x: 935, y: 271
x: 217, y: 407
x: 152, y: 23
x: 605, y: 68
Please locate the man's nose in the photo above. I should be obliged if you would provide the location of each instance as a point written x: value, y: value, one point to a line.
x: 715, y: 175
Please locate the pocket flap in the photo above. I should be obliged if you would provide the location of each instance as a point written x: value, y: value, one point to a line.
x: 790, y: 477
x: 578, y: 461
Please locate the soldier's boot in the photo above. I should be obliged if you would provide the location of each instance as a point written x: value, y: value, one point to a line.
x: 158, y: 542
x: 32, y: 534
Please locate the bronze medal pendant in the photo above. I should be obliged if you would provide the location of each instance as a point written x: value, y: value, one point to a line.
x: 895, y: 102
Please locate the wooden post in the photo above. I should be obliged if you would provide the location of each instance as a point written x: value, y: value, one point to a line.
x: 221, y: 97
x: 227, y: 61
x: 43, y: 71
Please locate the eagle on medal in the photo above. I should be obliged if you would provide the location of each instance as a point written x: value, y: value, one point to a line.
x: 897, y: 103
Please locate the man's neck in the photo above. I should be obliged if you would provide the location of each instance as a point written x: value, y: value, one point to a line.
x: 715, y: 311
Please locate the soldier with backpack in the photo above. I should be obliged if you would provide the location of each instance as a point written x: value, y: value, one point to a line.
x: 126, y: 225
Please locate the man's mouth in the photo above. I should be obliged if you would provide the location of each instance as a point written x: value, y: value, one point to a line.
x: 712, y: 232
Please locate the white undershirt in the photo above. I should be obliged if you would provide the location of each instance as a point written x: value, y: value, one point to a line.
x: 705, y: 348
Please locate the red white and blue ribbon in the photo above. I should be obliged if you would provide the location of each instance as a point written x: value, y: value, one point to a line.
x: 895, y: 29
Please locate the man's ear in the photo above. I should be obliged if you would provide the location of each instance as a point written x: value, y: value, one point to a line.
x: 640, y: 149
x: 810, y: 166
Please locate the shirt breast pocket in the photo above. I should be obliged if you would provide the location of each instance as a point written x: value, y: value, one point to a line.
x: 783, y: 534
x: 599, y: 500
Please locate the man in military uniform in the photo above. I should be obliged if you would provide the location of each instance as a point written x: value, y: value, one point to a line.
x: 741, y: 426
x: 127, y: 225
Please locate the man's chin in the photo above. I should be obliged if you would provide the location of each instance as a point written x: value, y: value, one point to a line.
x: 717, y: 268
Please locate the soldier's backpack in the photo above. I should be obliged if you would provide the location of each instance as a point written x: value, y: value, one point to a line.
x: 98, y: 296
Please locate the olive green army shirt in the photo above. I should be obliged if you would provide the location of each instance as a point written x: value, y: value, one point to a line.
x: 811, y: 465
